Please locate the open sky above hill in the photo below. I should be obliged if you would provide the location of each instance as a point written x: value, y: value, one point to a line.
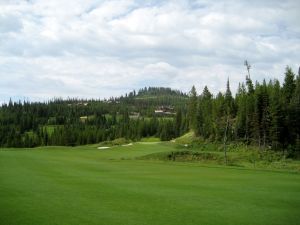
x: 97, y: 49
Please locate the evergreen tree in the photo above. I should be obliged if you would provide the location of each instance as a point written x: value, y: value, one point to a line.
x: 178, y: 123
x: 219, y: 113
x: 295, y: 118
x: 229, y: 100
x: 288, y: 85
x: 204, y: 114
x: 242, y: 114
x: 276, y: 115
x: 288, y: 90
x: 192, y: 108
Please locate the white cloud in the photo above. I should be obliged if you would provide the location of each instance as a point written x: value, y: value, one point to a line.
x: 99, y: 48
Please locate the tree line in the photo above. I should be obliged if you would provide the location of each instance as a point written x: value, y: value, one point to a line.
x: 80, y: 121
x: 264, y: 114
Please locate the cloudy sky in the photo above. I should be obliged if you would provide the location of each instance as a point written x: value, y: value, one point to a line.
x: 97, y: 49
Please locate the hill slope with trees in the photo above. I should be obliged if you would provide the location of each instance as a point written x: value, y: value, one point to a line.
x: 262, y: 114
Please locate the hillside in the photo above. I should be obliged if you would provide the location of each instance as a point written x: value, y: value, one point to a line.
x: 146, y: 100
x: 263, y: 115
x: 150, y: 112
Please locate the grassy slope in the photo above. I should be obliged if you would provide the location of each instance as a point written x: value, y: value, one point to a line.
x: 84, y: 185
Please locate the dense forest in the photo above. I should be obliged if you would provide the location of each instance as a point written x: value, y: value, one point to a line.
x: 263, y: 114
x: 78, y: 122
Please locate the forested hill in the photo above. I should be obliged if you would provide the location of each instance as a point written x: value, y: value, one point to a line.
x: 146, y: 100
x: 157, y: 91
x: 147, y: 112
x: 265, y: 114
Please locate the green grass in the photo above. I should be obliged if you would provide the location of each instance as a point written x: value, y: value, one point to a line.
x: 150, y: 139
x: 187, y: 138
x: 50, y: 128
x: 30, y: 133
x: 83, y: 185
x: 116, y: 142
x: 109, y: 116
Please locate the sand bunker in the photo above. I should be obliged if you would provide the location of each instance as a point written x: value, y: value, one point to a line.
x: 103, y: 147
x: 127, y: 144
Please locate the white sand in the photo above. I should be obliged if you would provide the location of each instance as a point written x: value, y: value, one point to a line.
x: 103, y: 147
x: 127, y: 144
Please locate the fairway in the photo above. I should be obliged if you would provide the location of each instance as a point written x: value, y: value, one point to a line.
x: 84, y: 185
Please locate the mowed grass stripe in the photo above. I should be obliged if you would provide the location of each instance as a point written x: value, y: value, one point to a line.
x: 87, y: 186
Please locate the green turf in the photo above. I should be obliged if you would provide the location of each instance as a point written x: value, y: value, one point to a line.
x: 187, y: 138
x: 84, y: 185
x: 50, y: 128
x: 150, y: 139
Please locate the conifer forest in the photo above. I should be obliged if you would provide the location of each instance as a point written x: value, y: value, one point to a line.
x: 263, y: 114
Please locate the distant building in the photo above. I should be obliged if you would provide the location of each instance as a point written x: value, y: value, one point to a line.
x: 134, y: 115
x: 79, y: 104
x: 83, y: 119
x: 165, y: 111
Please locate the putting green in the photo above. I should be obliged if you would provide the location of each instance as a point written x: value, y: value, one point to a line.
x: 85, y: 185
